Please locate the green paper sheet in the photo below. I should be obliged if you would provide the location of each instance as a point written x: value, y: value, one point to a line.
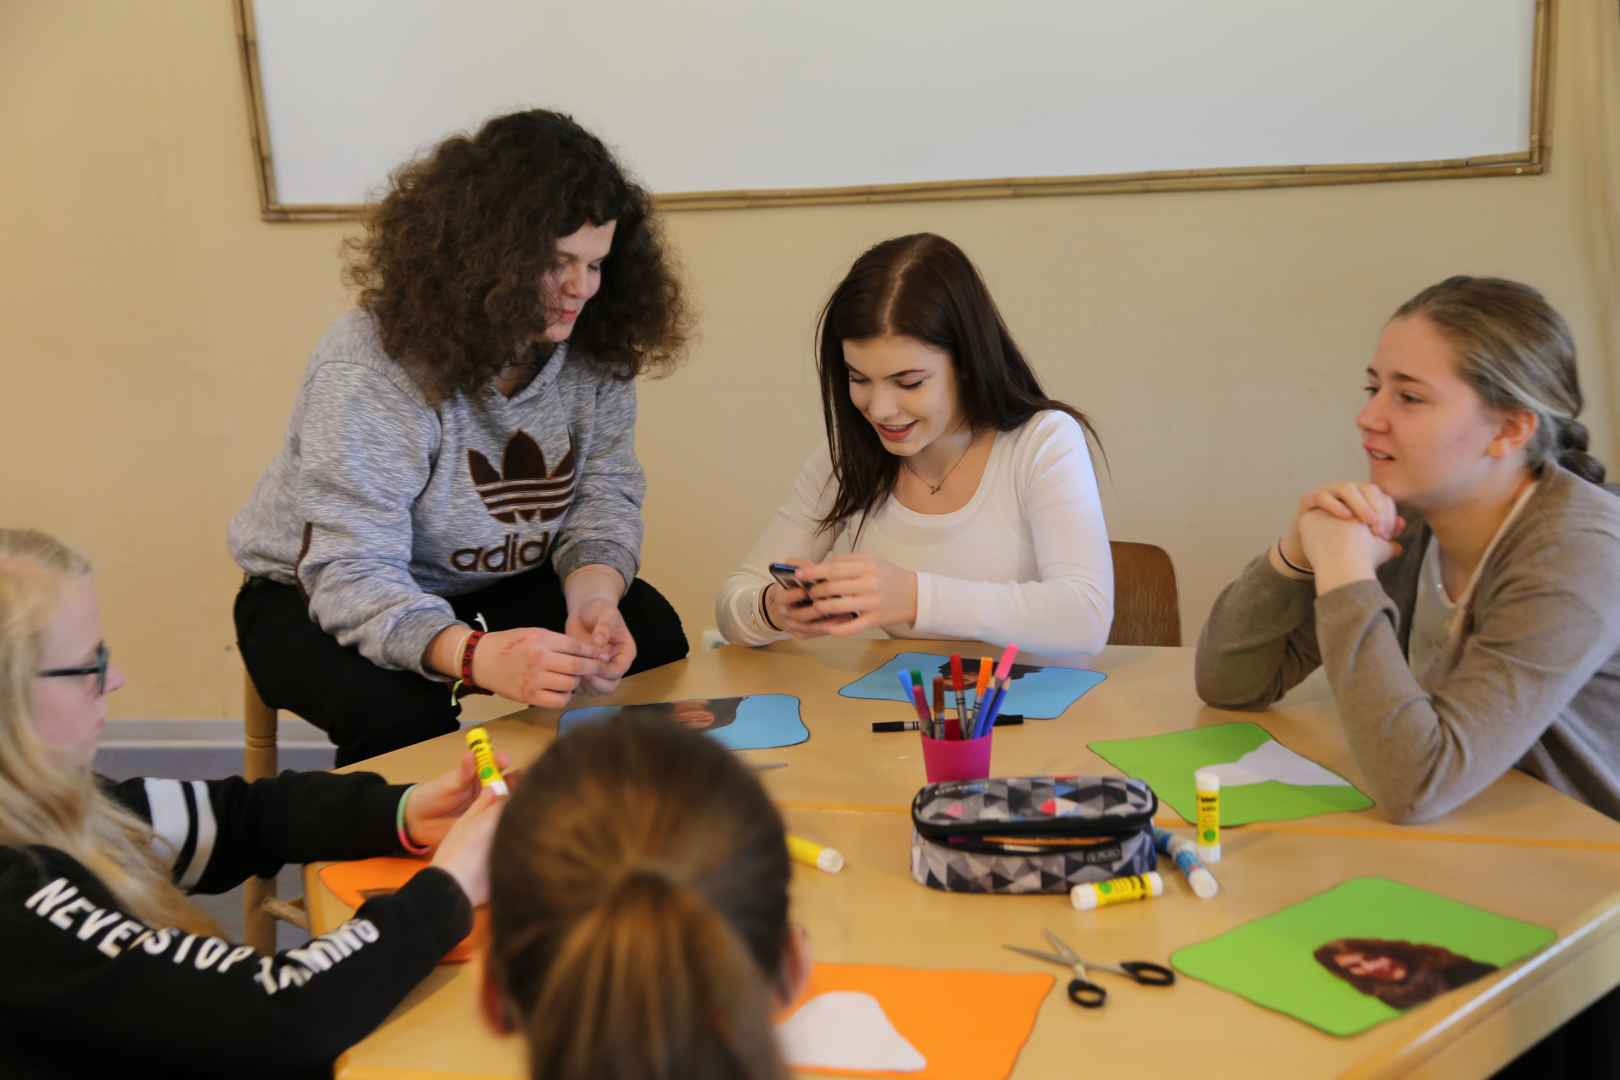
x: 1271, y: 960
x: 1167, y: 763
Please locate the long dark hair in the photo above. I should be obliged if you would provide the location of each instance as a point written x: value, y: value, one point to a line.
x: 638, y: 907
x: 1431, y: 970
x: 451, y: 260
x: 920, y: 286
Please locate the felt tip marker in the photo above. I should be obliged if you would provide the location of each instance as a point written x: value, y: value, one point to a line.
x: 813, y: 854
x: 489, y: 773
x: 1007, y: 720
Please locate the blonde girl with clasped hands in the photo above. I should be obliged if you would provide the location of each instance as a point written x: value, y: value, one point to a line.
x: 1464, y: 598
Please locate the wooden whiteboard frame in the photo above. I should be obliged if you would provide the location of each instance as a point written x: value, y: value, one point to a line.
x: 1531, y: 162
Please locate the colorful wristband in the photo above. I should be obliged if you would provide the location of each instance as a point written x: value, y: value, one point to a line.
x: 405, y: 840
x: 467, y: 658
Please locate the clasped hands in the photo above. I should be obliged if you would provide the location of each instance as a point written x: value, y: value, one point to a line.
x: 1343, y: 532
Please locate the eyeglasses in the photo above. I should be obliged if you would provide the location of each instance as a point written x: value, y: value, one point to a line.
x: 98, y: 669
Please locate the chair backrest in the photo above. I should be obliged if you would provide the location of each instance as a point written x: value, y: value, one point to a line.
x: 1147, y: 607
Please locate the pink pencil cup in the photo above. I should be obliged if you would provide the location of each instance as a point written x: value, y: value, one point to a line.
x: 956, y: 759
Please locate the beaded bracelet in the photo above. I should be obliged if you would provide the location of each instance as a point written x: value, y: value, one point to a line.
x: 405, y: 840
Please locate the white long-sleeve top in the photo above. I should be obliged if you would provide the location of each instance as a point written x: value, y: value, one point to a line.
x: 1025, y: 561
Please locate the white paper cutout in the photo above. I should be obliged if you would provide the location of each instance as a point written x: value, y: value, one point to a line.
x: 847, y: 1029
x: 1271, y: 760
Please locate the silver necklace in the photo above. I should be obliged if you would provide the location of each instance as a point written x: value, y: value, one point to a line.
x: 933, y: 489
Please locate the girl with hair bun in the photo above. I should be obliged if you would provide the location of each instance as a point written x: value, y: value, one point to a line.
x: 1465, y: 598
x: 639, y: 910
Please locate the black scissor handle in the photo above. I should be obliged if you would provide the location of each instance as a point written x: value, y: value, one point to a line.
x: 1149, y: 974
x: 1086, y: 995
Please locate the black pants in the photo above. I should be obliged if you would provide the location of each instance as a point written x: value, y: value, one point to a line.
x: 367, y: 710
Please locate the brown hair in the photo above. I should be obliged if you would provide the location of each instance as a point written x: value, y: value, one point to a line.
x: 638, y: 902
x: 919, y: 286
x: 451, y: 259
x: 1517, y: 353
x: 1431, y: 970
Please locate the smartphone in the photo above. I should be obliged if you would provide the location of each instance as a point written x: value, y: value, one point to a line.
x: 786, y: 576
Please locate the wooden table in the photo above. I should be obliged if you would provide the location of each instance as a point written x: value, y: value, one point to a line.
x: 1520, y: 849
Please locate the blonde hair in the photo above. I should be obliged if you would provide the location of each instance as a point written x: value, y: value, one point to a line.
x: 43, y: 801
x: 638, y: 902
x: 1517, y: 353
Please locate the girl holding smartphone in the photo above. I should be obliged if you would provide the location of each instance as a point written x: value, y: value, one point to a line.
x: 954, y: 499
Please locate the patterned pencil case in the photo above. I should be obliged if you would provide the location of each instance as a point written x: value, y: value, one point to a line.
x: 1031, y: 834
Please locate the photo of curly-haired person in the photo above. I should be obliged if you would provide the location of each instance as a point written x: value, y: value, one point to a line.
x: 1401, y: 974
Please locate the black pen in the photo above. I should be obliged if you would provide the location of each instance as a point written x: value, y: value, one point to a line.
x: 1004, y: 720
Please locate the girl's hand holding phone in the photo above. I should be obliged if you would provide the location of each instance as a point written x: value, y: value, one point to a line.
x: 787, y: 602
x: 855, y: 592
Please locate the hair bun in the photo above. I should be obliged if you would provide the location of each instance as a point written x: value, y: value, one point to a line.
x: 1572, y: 435
x: 1573, y: 439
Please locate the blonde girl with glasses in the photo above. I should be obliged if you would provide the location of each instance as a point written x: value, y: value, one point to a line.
x: 105, y: 958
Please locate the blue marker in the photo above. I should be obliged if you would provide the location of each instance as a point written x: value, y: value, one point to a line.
x: 1185, y: 855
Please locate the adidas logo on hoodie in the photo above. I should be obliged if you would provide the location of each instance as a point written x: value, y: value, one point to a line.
x: 523, y: 488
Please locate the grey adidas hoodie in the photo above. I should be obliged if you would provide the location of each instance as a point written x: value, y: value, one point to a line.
x: 379, y: 505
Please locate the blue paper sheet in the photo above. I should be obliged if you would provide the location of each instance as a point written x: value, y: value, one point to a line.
x: 1038, y: 692
x: 752, y: 722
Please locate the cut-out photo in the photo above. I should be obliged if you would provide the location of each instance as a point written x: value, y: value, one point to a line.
x: 1033, y: 691
x: 1360, y: 953
x: 750, y: 722
x: 1261, y: 779
x: 1401, y: 974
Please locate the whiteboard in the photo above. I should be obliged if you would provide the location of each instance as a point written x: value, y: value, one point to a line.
x: 913, y: 97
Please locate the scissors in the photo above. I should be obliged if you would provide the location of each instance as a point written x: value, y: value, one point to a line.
x: 1082, y: 991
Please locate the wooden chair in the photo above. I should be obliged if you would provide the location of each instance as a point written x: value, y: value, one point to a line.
x: 260, y: 906
x: 1147, y: 608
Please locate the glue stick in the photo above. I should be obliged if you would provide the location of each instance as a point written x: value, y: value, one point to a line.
x: 1207, y: 785
x: 489, y: 774
x: 1118, y: 890
x: 813, y: 854
x: 1179, y: 848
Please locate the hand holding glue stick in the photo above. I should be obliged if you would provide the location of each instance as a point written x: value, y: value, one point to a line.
x: 489, y: 773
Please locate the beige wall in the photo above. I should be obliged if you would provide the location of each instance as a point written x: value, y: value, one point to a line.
x: 153, y: 329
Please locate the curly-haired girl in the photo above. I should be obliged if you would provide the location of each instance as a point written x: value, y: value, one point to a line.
x: 462, y: 446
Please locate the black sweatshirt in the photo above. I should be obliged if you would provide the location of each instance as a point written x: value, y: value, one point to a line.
x: 85, y: 989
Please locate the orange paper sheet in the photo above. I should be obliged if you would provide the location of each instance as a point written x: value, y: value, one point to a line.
x: 356, y: 882
x: 968, y: 1024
